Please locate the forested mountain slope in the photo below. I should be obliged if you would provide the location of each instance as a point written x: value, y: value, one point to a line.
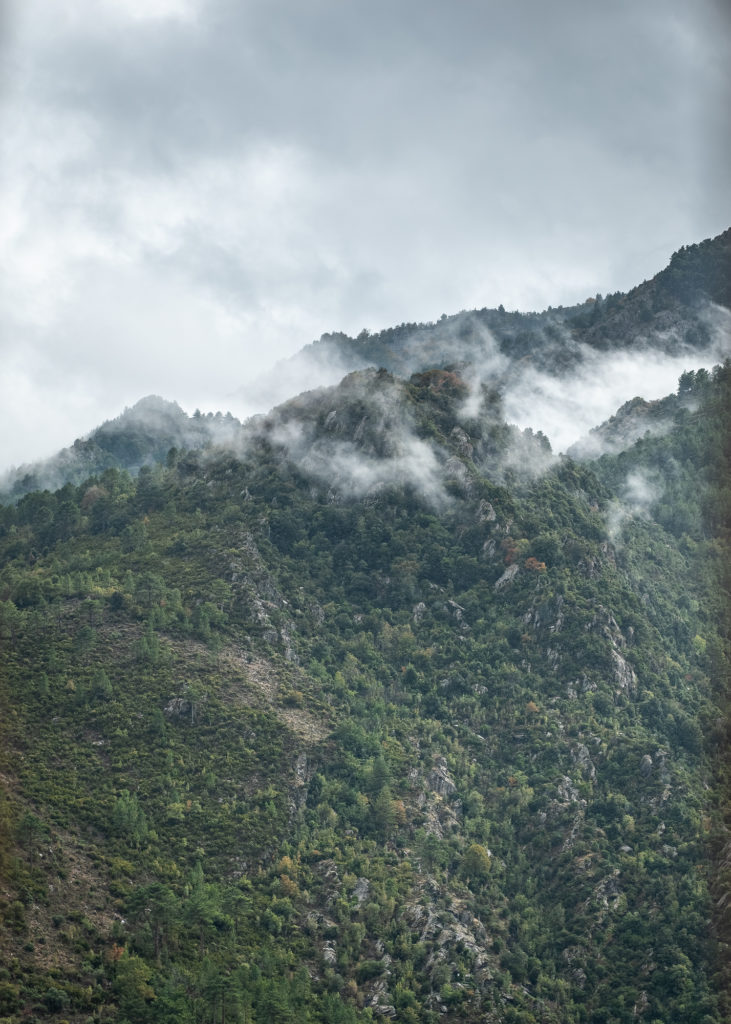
x: 383, y: 712
x: 140, y: 436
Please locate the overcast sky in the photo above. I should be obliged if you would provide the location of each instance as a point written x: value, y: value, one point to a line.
x: 192, y: 189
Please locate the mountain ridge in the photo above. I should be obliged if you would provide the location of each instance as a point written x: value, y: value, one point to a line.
x: 141, y: 435
x: 673, y: 304
x: 683, y: 310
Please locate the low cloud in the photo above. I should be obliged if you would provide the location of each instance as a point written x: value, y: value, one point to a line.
x: 305, y: 371
x: 357, y: 439
x: 527, y: 457
x: 640, y: 490
x: 568, y: 406
x: 560, y: 387
x: 632, y: 421
x: 350, y: 473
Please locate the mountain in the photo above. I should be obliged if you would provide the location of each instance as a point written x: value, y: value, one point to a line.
x: 140, y: 436
x: 380, y: 711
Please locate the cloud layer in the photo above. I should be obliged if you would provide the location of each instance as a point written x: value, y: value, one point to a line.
x: 192, y: 190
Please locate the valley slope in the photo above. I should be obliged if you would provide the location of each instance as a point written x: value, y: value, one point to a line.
x: 381, y: 710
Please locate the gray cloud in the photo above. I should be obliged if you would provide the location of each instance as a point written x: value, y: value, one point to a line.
x: 193, y: 190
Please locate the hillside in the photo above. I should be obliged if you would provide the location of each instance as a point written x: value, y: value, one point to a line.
x: 140, y: 436
x: 381, y: 711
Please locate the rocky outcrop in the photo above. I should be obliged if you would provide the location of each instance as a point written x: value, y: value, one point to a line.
x: 462, y: 442
x: 327, y: 872
x: 485, y: 512
x: 455, y: 470
x: 254, y: 587
x: 567, y: 791
x: 378, y: 998
x: 177, y: 707
x: 548, y: 616
x: 439, y: 779
x: 580, y: 754
x: 508, y: 576
x: 361, y: 889
x: 624, y: 674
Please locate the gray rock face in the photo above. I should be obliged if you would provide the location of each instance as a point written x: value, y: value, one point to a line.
x: 419, y: 611
x: 177, y: 707
x: 456, y: 609
x: 317, y: 613
x: 608, y: 892
x: 579, y: 977
x: 328, y: 871
x: 439, y: 780
x: 462, y: 442
x: 254, y: 586
x: 581, y: 756
x: 606, y: 625
x: 432, y: 824
x: 361, y: 889
x: 378, y: 1001
x: 485, y: 512
x: 456, y: 470
x: 646, y: 766
x: 567, y: 791
x: 548, y: 615
x: 661, y: 762
x: 508, y: 576
x: 624, y: 674
x: 301, y: 773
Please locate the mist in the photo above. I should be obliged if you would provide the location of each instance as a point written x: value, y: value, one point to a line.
x: 640, y: 490
x: 566, y: 407
x: 563, y: 388
x: 357, y: 439
x: 535, y: 371
x: 305, y: 371
x: 139, y: 436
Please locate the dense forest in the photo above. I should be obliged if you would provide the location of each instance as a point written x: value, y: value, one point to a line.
x: 380, y: 710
